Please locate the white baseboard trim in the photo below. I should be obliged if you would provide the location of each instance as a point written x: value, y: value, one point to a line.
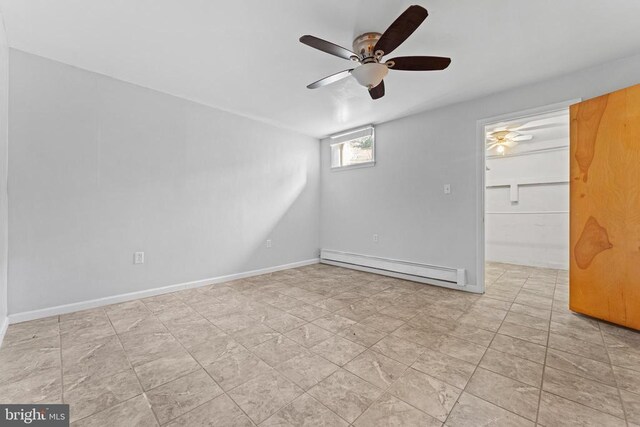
x: 99, y: 302
x: 4, y: 323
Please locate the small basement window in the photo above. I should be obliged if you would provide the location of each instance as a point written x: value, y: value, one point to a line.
x: 353, y: 149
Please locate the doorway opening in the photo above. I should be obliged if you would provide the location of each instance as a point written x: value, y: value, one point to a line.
x: 525, y: 203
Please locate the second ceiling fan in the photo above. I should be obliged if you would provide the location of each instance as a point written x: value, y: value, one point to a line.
x: 369, y: 48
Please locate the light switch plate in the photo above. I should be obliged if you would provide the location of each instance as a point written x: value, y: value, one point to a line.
x: 138, y: 258
x: 447, y: 189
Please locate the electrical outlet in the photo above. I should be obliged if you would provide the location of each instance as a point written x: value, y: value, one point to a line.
x: 375, y: 238
x: 447, y: 189
x: 268, y: 243
x: 138, y: 258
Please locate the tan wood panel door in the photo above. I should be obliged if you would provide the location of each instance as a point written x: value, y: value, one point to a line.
x: 604, y: 276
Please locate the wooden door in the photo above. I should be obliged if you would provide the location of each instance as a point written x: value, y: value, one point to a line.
x: 605, y: 208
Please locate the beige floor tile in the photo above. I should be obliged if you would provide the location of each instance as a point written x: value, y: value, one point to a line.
x: 236, y: 369
x: 557, y: 411
x: 461, y: 349
x: 219, y: 412
x: 401, y: 312
x: 513, y: 367
x: 426, y: 393
x: 192, y: 334
x: 445, y: 368
x: 631, y: 403
x: 164, y: 340
x: 278, y: 350
x: 254, y: 335
x: 392, y: 412
x: 398, y: 349
x: 471, y: 333
x: 512, y: 395
x: 307, y: 312
x: 528, y: 321
x: 345, y: 394
x: 627, y: 379
x: 586, y: 392
x: 472, y: 411
x: 357, y: 311
x: 376, y: 368
x: 232, y: 323
x: 25, y: 357
x: 362, y: 335
x: 382, y: 322
x: 306, y: 370
x: 338, y: 350
x: 179, y: 396
x: 144, y: 348
x: 83, y: 332
x: 95, y: 359
x: 542, y: 313
x: 135, y: 412
x: 170, y: 366
x: 214, y: 349
x: 592, y: 335
x: 38, y: 386
x: 577, y: 346
x: 264, y: 395
x: 533, y: 299
x: 481, y: 320
x: 285, y: 323
x: 31, y: 330
x: 581, y: 366
x: 419, y: 336
x: 624, y: 357
x: 304, y: 411
x: 88, y: 395
x: 535, y: 336
x: 333, y: 323
x: 309, y: 335
x: 143, y: 323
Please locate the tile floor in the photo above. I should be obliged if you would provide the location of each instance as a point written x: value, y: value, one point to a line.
x: 322, y: 345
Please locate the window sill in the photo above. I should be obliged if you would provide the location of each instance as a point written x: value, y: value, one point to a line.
x: 350, y: 167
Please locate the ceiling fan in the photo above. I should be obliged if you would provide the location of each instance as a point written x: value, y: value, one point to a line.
x: 503, y: 138
x: 369, y: 48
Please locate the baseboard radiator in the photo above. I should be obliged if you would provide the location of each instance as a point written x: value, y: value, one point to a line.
x: 424, y: 273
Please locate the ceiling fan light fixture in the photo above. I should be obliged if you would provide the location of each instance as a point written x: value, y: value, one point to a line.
x: 500, y: 149
x: 370, y: 75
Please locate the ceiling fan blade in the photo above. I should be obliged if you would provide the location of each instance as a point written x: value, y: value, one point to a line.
x: 378, y: 91
x: 522, y: 138
x: 401, y: 29
x: 492, y: 146
x: 330, y: 79
x: 329, y: 47
x: 510, y: 143
x: 418, y: 63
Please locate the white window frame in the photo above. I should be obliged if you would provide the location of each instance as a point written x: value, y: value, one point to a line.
x: 344, y: 137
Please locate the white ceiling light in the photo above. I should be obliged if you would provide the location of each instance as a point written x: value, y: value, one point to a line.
x: 370, y: 75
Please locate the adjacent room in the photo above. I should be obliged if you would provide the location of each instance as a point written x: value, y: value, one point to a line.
x: 320, y: 213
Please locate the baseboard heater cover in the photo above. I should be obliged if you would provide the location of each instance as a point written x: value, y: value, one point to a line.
x: 424, y: 273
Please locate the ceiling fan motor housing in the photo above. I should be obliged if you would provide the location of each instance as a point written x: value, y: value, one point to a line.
x: 364, y: 46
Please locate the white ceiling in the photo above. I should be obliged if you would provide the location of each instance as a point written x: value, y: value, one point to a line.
x: 244, y: 55
x: 549, y: 131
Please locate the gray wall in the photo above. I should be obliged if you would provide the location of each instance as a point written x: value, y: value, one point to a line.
x: 4, y: 104
x: 100, y: 169
x: 401, y: 198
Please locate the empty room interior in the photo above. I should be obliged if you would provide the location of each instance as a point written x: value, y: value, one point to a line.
x: 320, y: 213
